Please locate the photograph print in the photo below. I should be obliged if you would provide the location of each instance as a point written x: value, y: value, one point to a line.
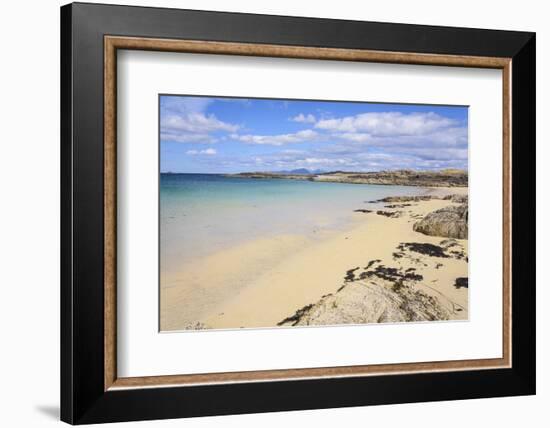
x: 293, y: 213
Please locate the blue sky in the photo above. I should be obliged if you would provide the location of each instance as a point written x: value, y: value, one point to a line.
x: 224, y: 135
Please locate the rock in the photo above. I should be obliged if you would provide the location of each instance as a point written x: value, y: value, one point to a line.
x: 392, y: 206
x: 417, y: 198
x: 460, y: 199
x: 449, y: 243
x: 442, y: 178
x: 382, y: 295
x: 448, y: 222
x: 362, y: 211
x: 390, y: 214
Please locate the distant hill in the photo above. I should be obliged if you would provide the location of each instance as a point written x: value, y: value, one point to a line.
x: 404, y: 177
x: 300, y: 171
x: 442, y: 178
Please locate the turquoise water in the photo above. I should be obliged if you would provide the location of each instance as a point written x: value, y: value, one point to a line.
x: 203, y: 213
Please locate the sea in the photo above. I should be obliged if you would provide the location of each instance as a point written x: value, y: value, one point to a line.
x: 204, y: 213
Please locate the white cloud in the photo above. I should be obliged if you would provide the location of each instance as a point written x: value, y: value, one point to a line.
x: 183, y: 120
x: 209, y: 152
x: 441, y: 154
x: 277, y: 140
x: 302, y: 118
x: 292, y: 152
x: 188, y: 138
x: 358, y: 137
x: 387, y: 124
x: 184, y: 105
x: 325, y: 161
x: 195, y: 123
x: 447, y: 138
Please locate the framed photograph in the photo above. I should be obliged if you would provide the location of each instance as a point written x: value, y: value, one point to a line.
x: 266, y: 213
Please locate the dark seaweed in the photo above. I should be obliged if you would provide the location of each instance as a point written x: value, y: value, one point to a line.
x: 392, y: 274
x: 424, y: 248
x: 297, y: 315
x: 350, y: 274
x: 369, y: 264
x: 461, y: 283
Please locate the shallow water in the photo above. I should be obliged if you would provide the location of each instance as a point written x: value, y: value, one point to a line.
x: 204, y: 213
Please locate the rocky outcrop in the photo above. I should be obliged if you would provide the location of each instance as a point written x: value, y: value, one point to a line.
x: 459, y: 199
x: 390, y: 214
x: 448, y: 222
x: 398, y: 206
x: 417, y: 198
x: 443, y: 178
x: 372, y: 302
x: 372, y: 295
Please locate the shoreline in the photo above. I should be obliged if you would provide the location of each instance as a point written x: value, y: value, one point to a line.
x: 282, y: 275
x: 403, y: 177
x: 454, y: 178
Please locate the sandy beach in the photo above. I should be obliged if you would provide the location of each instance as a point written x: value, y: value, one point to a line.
x: 263, y: 282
